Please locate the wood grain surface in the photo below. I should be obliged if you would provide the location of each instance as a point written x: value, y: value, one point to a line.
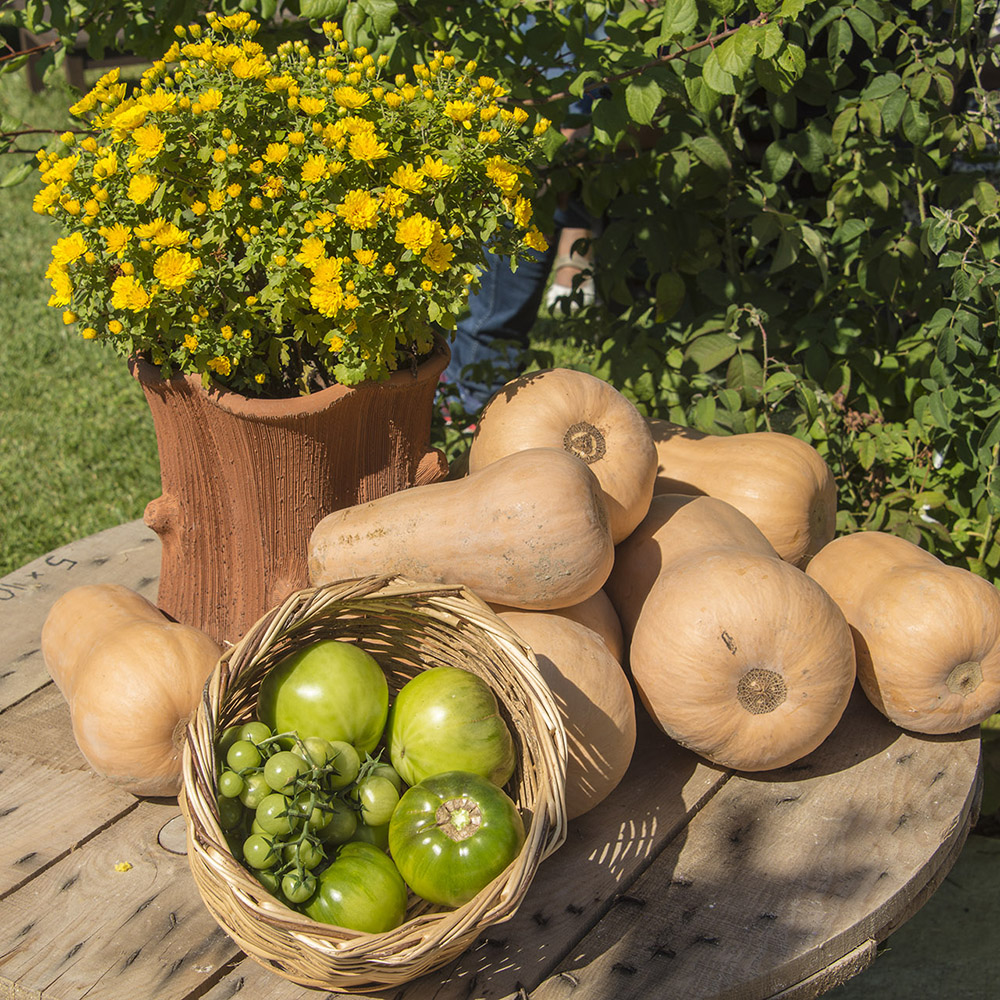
x: 689, y: 881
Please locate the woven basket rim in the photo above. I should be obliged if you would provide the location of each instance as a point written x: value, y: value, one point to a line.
x: 316, y: 954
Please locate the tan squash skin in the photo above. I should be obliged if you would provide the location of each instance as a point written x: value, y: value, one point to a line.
x: 779, y: 481
x: 594, y: 700
x: 742, y: 658
x: 927, y: 634
x: 529, y: 530
x: 561, y: 408
x: 132, y: 678
x: 84, y: 616
x: 675, y: 526
x: 596, y: 613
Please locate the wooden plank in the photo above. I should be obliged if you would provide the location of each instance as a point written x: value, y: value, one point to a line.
x: 128, y: 554
x: 605, y: 851
x: 84, y: 928
x: 782, y: 875
x: 52, y: 800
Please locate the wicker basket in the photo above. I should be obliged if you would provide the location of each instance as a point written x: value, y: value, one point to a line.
x: 407, y: 627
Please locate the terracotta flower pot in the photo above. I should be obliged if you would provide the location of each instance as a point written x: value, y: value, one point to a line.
x: 245, y: 480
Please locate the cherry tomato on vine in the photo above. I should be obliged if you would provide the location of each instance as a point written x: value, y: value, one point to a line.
x: 261, y: 851
x: 377, y: 797
x: 452, y: 834
x: 360, y: 889
x: 255, y: 787
x: 297, y: 888
x: 282, y: 768
x: 243, y: 755
x: 272, y: 815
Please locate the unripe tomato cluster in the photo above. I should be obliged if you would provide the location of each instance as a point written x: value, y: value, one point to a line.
x: 312, y: 806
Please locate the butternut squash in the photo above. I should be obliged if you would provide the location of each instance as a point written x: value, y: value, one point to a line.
x: 735, y: 653
x: 596, y: 613
x: 585, y: 416
x: 594, y: 699
x: 675, y: 525
x: 927, y: 635
x: 779, y: 481
x: 529, y: 530
x: 132, y: 678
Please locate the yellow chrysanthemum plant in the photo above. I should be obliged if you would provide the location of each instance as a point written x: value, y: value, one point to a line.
x: 279, y: 222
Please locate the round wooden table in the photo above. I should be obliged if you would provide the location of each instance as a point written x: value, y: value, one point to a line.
x: 689, y: 882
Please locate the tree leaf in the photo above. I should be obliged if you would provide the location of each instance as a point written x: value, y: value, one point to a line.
x: 680, y: 17
x: 642, y: 98
x: 711, y: 350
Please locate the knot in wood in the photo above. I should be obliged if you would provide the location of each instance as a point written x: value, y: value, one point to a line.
x: 761, y: 691
x: 585, y: 441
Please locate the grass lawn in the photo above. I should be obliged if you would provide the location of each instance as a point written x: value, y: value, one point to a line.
x: 77, y: 448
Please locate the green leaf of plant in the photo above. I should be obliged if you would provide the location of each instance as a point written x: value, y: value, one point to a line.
x: 679, y: 18
x: 716, y: 77
x: 745, y: 376
x: 711, y: 350
x: 642, y: 98
x: 314, y: 9
x: 381, y: 13
x: 17, y: 175
x: 711, y: 153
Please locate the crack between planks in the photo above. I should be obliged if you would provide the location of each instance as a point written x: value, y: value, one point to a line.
x: 623, y: 890
x: 24, y: 697
x: 69, y: 850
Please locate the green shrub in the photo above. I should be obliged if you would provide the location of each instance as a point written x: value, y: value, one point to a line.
x: 798, y: 226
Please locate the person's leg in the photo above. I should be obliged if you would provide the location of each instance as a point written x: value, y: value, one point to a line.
x: 490, y: 339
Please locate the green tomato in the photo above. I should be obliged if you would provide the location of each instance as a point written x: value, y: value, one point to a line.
x: 272, y: 815
x: 261, y: 851
x: 283, y: 768
x: 452, y: 834
x: 255, y: 788
x: 331, y: 689
x: 360, y: 889
x: 447, y: 719
x: 341, y: 824
x: 377, y: 836
x: 377, y: 797
x: 297, y: 887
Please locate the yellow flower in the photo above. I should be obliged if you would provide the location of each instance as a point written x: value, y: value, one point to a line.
x: 68, y: 249
x: 276, y: 152
x: 191, y: 342
x: 255, y: 68
x: 312, y: 105
x: 535, y: 240
x: 488, y: 113
x: 460, y: 112
x: 274, y: 187
x: 327, y: 270
x: 389, y: 270
x: 326, y: 298
x: 504, y: 175
x: 336, y: 343
x: 158, y: 101
x: 174, y: 269
x: 227, y: 331
x: 489, y: 137
x: 141, y: 188
x: 221, y: 365
x: 438, y: 256
x: 365, y: 257
x: 415, y: 232
x: 62, y: 285
x: 350, y: 98
x: 541, y: 126
x: 366, y: 148
x: 116, y: 238
x: 359, y: 209
x: 216, y: 199
x: 210, y: 100
x: 393, y: 100
x: 115, y: 327
x: 314, y: 169
x: 393, y: 200
x: 436, y: 170
x: 522, y: 211
x: 88, y: 333
x: 408, y: 178
x: 148, y: 140
x: 296, y: 138
x: 127, y: 293
x: 69, y: 317
x: 199, y: 207
x: 234, y: 190
x: 256, y: 202
x: 427, y: 285
x: 312, y: 250
x: 169, y: 235
x: 219, y: 155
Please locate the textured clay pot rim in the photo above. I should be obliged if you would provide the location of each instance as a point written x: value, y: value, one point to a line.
x: 263, y: 409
